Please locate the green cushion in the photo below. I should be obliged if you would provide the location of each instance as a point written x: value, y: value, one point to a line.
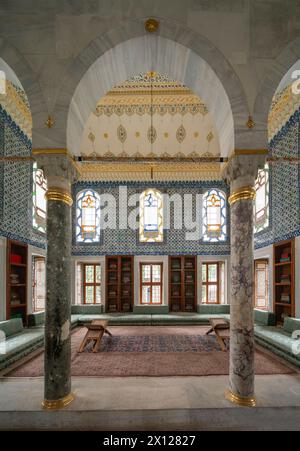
x: 290, y: 325
x: 36, y: 319
x: 217, y: 309
x: 86, y: 309
x: 264, y: 317
x: 150, y: 309
x: 12, y: 326
x: 277, y: 338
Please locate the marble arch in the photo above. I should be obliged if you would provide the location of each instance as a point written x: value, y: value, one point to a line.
x: 25, y: 75
x: 286, y: 59
x: 178, y: 52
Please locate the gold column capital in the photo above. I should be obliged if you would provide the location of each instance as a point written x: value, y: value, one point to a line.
x: 59, y: 194
x: 244, y: 193
x: 239, y: 400
x: 58, y: 403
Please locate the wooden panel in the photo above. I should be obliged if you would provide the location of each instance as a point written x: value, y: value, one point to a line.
x: 284, y: 279
x: 16, y: 282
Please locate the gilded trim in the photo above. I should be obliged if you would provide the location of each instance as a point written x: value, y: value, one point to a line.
x: 60, y: 195
x: 151, y: 25
x: 244, y: 193
x: 251, y: 152
x: 58, y: 151
x: 58, y: 403
x: 239, y: 400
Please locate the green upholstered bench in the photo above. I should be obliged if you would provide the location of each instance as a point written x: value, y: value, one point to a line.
x: 19, y: 341
x: 81, y: 309
x: 36, y: 319
x: 217, y: 309
x: 11, y: 326
x: 279, y: 340
x: 264, y: 318
x: 291, y: 325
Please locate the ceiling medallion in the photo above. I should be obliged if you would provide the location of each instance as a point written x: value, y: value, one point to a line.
x: 181, y: 134
x: 250, y: 123
x: 151, y: 25
x: 50, y: 122
x: 122, y: 134
x: 152, y: 135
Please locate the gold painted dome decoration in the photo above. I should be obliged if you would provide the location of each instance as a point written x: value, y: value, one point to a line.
x: 150, y: 115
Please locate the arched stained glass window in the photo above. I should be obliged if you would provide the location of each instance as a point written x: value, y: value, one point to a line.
x: 87, y: 217
x: 39, y: 216
x: 214, y: 216
x: 151, y: 217
x: 261, y: 206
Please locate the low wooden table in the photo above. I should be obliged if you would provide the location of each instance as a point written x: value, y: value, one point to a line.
x: 221, y: 327
x: 95, y: 332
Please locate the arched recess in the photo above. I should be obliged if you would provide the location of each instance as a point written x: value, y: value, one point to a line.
x: 178, y: 52
x: 283, y: 63
x: 31, y: 87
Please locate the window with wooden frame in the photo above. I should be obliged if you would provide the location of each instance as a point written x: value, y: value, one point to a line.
x: 261, y: 284
x: 213, y: 280
x: 91, y: 283
x: 151, y: 283
x: 39, y: 283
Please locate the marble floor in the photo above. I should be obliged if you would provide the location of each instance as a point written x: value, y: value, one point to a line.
x: 145, y: 403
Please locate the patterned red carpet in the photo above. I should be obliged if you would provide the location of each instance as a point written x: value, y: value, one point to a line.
x: 153, y: 351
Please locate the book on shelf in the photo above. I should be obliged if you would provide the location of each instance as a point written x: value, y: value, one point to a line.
x: 189, y: 265
x: 285, y: 298
x: 285, y: 257
x: 189, y: 278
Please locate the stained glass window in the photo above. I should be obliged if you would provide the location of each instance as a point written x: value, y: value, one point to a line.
x: 214, y: 216
x: 39, y: 283
x: 87, y: 217
x: 39, y: 216
x: 151, y: 217
x: 261, y: 206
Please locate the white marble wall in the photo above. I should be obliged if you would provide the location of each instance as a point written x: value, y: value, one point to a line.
x: 50, y: 45
x: 141, y: 55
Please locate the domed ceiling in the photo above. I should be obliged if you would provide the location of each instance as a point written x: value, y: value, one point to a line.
x: 150, y: 116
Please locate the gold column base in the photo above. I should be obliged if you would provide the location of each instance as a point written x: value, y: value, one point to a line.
x: 58, y: 403
x: 239, y: 400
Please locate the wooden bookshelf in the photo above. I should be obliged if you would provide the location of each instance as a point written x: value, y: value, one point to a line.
x: 119, y: 283
x: 284, y: 279
x: 183, y: 283
x: 16, y: 281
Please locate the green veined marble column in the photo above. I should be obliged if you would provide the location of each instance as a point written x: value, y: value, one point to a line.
x: 58, y: 300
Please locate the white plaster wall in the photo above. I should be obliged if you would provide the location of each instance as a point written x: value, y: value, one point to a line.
x: 267, y: 253
x: 213, y: 258
x: 32, y: 252
x: 87, y: 259
x: 164, y: 259
x: 2, y: 278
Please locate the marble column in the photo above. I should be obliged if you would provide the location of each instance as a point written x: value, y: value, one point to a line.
x: 241, y: 172
x: 60, y: 172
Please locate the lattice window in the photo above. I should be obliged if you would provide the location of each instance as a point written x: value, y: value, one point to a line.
x: 39, y: 214
x: 214, y: 216
x: 261, y: 278
x: 261, y: 206
x: 151, y: 217
x: 87, y: 217
x: 39, y: 283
